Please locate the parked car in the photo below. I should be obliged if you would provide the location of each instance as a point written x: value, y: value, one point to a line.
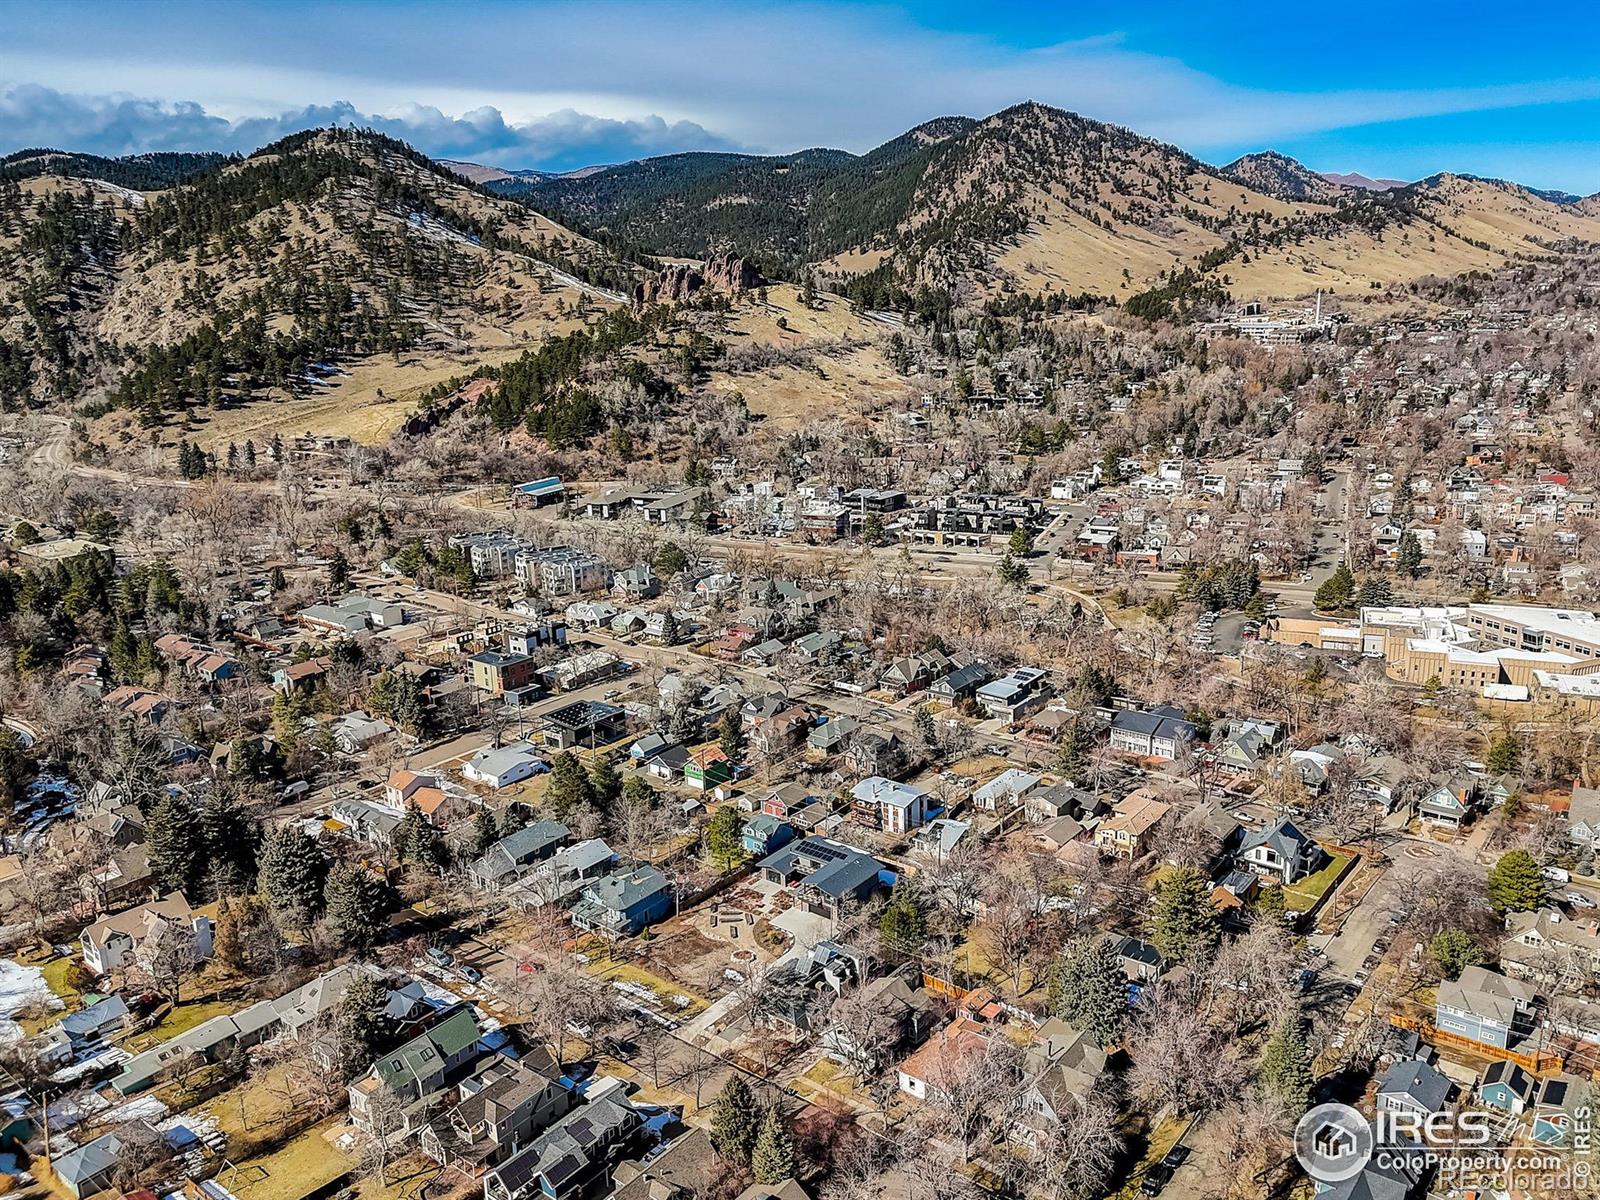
x: 470, y: 974
x: 1158, y: 1176
x: 1556, y: 875
x: 439, y: 957
x: 1579, y: 900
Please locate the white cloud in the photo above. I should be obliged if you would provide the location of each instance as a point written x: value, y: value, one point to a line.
x: 32, y: 115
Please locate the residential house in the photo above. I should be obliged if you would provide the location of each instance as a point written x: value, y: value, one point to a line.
x: 828, y: 876
x: 497, y: 673
x: 1506, y: 1086
x: 114, y: 942
x: 503, y: 766
x: 1281, y: 850
x: 913, y: 673
x: 1014, y: 695
x: 583, y: 723
x: 91, y: 1167
x: 354, y: 613
x: 569, y: 1157
x: 762, y: 834
x: 417, y: 1072
x: 833, y: 736
x: 355, y: 731
x: 937, y: 840
x: 516, y: 854
x: 1063, y: 1066
x: 498, y: 1111
x: 1485, y: 1007
x: 1449, y: 800
x: 624, y: 903
x: 890, y: 805
x: 562, y: 875
x: 1130, y: 829
x: 403, y: 785
x: 1412, y: 1086
x: 945, y: 1055
x: 707, y: 769
x: 1551, y: 948
x: 960, y: 684
x: 1583, y: 817
x: 1006, y: 790
x: 1561, y: 1113
x: 1161, y: 733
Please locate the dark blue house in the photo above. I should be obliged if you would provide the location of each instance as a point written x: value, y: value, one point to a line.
x: 764, y: 833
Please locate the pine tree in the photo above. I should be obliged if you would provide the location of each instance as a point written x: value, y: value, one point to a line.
x: 605, y: 783
x: 484, y: 832
x: 1408, y: 555
x: 1515, y: 884
x: 360, y: 1026
x: 1089, y: 990
x: 1185, y: 921
x: 1453, y: 951
x: 772, y: 1158
x: 358, y: 905
x: 725, y: 836
x: 1286, y: 1065
x: 735, y: 1121
x: 1337, y: 591
x: 513, y: 817
x: 1010, y: 572
x: 338, y: 571
x: 1505, y: 754
x: 176, y: 844
x: 730, y: 736
x: 415, y: 840
x: 293, y: 875
x: 903, y: 924
x: 569, y: 790
x: 927, y: 731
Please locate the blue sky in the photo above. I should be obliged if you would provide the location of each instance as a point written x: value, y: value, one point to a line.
x: 1391, y: 89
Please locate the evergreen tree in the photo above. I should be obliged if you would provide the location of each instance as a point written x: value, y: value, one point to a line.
x: 176, y: 844
x: 338, y: 571
x: 605, y: 782
x: 1072, y: 760
x: 276, y: 580
x: 293, y: 875
x: 1408, y: 555
x: 1286, y: 1065
x: 358, y: 905
x: 903, y: 924
x: 360, y: 1026
x: 415, y: 840
x: 231, y: 840
x: 1453, y: 951
x: 772, y: 1157
x: 569, y: 790
x: 1337, y: 591
x: 1505, y: 754
x: 725, y: 836
x: 1185, y: 921
x: 1515, y: 884
x: 1021, y: 542
x: 513, y: 817
x: 735, y: 1121
x: 927, y: 731
x: 1375, y: 592
x: 730, y: 736
x: 1010, y: 572
x: 484, y: 832
x: 671, y: 629
x: 1089, y: 990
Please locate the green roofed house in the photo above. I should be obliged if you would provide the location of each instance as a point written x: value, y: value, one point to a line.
x: 418, y: 1071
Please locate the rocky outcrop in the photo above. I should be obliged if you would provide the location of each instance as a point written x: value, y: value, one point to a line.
x: 729, y: 272
x: 676, y: 282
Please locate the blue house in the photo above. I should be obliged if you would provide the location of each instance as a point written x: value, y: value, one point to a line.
x: 624, y: 903
x: 1486, y: 1007
x: 764, y: 833
x: 1507, y: 1087
x: 1561, y: 1109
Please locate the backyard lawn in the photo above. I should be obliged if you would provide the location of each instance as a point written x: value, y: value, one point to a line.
x: 301, y: 1165
x: 181, y: 1019
x: 1304, y: 895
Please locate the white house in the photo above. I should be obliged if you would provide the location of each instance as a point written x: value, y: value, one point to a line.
x: 499, y: 767
x: 1281, y: 850
x: 128, y: 937
x: 1006, y: 790
x: 899, y: 807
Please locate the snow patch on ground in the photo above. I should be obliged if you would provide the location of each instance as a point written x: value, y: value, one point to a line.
x: 21, y: 988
